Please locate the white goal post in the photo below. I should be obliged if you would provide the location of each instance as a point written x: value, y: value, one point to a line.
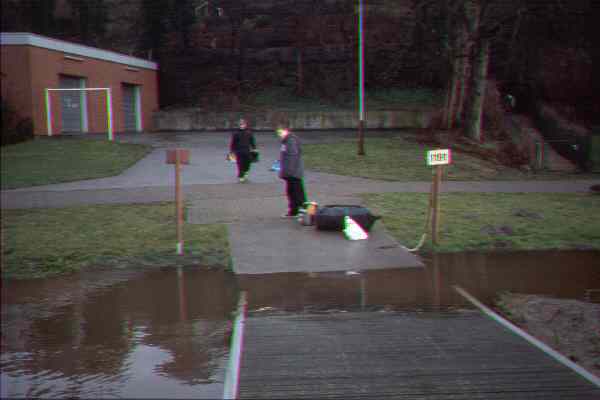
x: 108, y: 108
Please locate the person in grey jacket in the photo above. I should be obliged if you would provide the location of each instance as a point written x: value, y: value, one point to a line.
x: 291, y: 170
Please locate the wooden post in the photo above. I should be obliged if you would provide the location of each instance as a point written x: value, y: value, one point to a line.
x: 437, y: 159
x: 361, y: 138
x: 177, y: 157
x: 178, y: 201
x: 435, y: 220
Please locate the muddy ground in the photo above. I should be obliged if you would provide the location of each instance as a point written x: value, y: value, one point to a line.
x: 571, y: 327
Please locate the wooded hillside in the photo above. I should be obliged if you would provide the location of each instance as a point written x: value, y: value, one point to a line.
x: 213, y: 51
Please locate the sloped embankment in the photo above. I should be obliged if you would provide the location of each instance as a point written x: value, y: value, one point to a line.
x: 571, y: 327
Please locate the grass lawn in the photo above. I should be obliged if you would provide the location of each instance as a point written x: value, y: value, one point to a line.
x: 401, y: 158
x: 48, y: 160
x: 482, y: 221
x: 45, y: 242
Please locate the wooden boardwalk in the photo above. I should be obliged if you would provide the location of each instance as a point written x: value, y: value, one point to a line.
x: 380, y: 355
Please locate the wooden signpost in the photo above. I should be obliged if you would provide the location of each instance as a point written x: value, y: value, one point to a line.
x: 178, y: 157
x: 437, y: 159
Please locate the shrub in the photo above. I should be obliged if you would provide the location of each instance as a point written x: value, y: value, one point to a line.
x: 570, y: 139
x: 14, y: 129
x: 510, y: 155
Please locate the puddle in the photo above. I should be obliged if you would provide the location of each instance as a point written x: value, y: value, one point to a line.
x: 117, y: 334
x: 164, y: 333
x: 561, y: 274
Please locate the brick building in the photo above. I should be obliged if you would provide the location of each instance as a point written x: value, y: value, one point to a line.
x: 31, y: 64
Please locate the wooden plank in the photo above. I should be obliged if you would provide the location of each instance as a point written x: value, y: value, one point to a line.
x: 453, y: 355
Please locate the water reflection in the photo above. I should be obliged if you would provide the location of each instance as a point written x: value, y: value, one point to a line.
x: 120, y: 334
x: 561, y: 274
x: 164, y: 333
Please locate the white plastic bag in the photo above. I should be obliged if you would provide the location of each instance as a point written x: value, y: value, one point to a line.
x: 353, y: 231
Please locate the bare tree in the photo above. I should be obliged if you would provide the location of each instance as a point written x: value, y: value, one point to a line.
x: 471, y: 26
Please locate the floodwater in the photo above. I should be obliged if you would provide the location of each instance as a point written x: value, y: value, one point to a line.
x: 104, y: 334
x: 164, y: 333
x: 566, y: 274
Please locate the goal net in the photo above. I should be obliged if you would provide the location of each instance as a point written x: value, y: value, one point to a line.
x: 74, y: 104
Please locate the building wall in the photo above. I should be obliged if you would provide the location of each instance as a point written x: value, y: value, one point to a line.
x: 48, y: 65
x: 16, y: 79
x: 28, y: 70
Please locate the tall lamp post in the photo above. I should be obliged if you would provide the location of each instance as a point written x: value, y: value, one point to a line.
x: 361, y: 81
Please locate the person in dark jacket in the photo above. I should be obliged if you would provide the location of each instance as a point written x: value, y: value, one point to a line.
x: 242, y: 145
x: 291, y: 170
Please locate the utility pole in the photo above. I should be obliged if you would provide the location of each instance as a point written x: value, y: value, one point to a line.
x: 361, y: 81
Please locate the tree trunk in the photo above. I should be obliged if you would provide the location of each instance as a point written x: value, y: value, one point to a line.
x: 463, y: 82
x: 477, y: 95
x: 300, y: 65
x: 444, y: 121
x: 465, y: 73
x: 241, y: 59
x: 509, y: 66
x: 452, y: 95
x: 459, y: 79
x: 473, y: 11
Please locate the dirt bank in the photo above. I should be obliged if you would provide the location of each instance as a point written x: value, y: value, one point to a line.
x: 571, y: 327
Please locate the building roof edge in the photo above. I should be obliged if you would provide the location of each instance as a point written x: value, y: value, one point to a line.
x: 32, y: 39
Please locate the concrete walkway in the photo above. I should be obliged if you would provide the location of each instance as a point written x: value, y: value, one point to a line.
x: 287, y: 246
x: 72, y: 194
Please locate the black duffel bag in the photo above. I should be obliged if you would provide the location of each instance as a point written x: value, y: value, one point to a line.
x: 331, y: 217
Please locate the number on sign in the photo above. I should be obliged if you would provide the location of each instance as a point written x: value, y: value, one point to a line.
x: 439, y: 157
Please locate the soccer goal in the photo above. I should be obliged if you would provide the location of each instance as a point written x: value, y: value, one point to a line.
x: 109, y: 108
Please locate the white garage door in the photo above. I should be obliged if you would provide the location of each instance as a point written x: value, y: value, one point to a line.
x: 72, y: 105
x: 131, y: 108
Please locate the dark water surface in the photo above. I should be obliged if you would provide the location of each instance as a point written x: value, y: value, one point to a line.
x: 164, y: 333
x: 117, y: 334
x: 562, y: 274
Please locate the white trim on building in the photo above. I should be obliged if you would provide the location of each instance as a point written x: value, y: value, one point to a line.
x: 138, y: 108
x: 31, y: 39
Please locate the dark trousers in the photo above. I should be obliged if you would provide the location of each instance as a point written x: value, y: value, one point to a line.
x: 295, y: 194
x: 243, y: 163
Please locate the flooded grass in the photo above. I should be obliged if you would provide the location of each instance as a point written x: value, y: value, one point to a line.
x: 494, y: 221
x: 46, y: 242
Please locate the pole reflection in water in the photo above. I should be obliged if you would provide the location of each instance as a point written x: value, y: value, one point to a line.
x: 143, y: 334
x: 182, y: 297
x: 363, y: 292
